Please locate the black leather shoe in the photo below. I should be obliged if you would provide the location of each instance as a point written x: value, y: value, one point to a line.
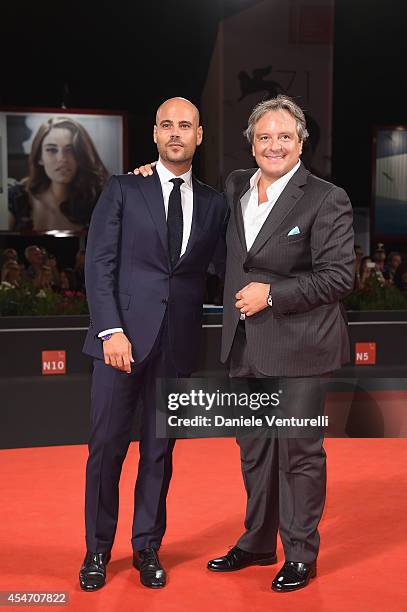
x: 92, y: 575
x: 152, y: 573
x: 293, y: 576
x: 237, y: 559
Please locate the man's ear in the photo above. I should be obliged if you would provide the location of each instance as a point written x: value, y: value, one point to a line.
x: 199, y: 135
x: 301, y: 144
x: 253, y: 153
x: 155, y: 134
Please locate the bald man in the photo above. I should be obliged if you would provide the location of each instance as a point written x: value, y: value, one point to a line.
x: 149, y: 246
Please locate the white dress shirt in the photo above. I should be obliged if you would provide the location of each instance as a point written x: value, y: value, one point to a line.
x: 254, y: 213
x: 187, y: 203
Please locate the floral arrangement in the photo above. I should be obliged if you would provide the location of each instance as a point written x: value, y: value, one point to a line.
x: 376, y: 296
x: 27, y: 300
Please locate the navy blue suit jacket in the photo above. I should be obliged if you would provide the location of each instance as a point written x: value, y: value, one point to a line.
x: 129, y: 281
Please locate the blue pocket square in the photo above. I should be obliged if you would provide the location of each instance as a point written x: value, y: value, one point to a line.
x: 294, y: 231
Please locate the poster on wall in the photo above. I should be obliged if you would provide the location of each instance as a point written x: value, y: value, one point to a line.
x: 54, y: 164
x: 390, y: 182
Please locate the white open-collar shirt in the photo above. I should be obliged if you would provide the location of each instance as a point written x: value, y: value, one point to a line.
x: 255, y: 214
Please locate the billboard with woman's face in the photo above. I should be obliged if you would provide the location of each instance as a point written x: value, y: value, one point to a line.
x: 54, y: 165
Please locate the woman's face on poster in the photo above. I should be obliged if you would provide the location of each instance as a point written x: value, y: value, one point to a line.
x: 57, y: 156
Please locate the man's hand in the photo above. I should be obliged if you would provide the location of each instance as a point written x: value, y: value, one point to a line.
x: 252, y: 298
x: 117, y: 352
x: 146, y: 170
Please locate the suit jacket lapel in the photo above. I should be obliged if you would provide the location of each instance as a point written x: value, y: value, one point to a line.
x: 200, y: 211
x: 151, y: 189
x: 240, y: 190
x: 284, y: 204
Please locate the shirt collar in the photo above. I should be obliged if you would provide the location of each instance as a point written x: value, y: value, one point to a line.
x: 279, y: 183
x: 165, y: 175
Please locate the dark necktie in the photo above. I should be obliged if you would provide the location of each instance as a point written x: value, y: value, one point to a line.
x: 175, y: 221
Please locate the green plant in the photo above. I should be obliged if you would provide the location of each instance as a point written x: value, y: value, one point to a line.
x: 375, y: 296
x: 27, y: 300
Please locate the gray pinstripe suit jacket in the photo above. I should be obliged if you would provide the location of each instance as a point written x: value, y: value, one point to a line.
x: 305, y: 332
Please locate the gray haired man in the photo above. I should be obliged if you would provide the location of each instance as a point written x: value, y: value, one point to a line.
x: 290, y: 261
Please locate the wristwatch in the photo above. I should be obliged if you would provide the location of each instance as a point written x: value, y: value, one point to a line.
x: 270, y: 300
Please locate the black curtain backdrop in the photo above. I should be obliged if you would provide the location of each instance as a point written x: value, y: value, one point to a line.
x: 369, y: 85
x: 132, y: 55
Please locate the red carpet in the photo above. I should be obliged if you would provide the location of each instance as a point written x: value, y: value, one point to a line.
x: 363, y: 531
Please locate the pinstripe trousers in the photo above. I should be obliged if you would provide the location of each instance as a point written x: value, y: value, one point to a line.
x: 285, y: 478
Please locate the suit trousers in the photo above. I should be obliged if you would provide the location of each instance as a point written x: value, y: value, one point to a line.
x: 115, y: 397
x: 285, y: 478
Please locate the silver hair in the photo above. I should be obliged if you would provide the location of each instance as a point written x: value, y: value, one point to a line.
x: 280, y: 102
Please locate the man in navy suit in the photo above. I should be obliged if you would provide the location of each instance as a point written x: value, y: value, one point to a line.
x: 149, y: 246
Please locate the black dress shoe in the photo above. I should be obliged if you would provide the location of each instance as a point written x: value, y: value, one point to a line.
x: 152, y: 573
x: 293, y: 576
x: 237, y: 559
x: 92, y: 575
